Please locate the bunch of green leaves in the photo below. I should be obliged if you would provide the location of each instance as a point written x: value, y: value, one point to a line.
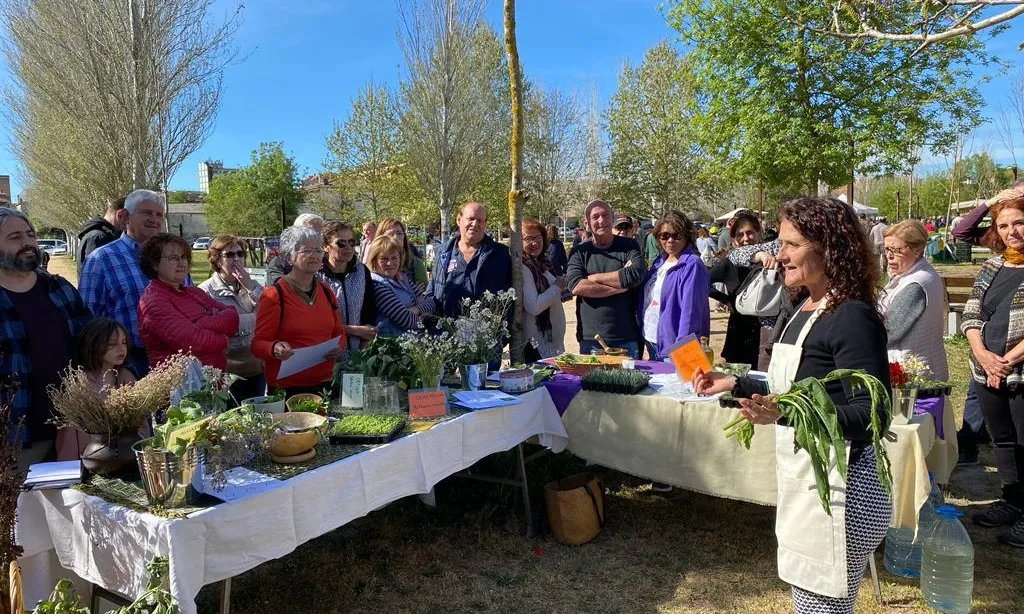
x: 63, y: 600
x: 155, y: 600
x: 365, y: 424
x: 307, y: 405
x: 383, y: 357
x: 177, y: 415
x: 808, y: 408
x: 233, y: 438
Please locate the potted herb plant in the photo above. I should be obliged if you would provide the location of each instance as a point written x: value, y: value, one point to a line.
x: 269, y: 404
x: 112, y: 418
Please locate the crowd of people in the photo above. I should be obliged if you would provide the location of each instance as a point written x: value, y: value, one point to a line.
x: 852, y: 293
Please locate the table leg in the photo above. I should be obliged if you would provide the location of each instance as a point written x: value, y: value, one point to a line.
x: 874, y: 578
x: 98, y: 592
x: 224, y: 606
x: 521, y: 470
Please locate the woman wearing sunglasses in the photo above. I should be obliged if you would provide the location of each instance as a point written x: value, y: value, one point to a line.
x: 674, y: 300
x: 230, y: 284
x: 350, y: 280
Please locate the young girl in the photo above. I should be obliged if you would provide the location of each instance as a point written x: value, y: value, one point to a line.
x: 102, y: 350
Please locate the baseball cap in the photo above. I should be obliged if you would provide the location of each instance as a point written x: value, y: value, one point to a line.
x: 623, y: 220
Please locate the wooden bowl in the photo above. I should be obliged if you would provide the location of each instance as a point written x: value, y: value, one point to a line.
x: 301, y: 432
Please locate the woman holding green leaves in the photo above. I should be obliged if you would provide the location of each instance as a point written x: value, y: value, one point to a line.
x: 823, y: 552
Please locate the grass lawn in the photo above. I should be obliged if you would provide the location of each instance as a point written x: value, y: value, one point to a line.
x: 65, y: 267
x: 670, y: 554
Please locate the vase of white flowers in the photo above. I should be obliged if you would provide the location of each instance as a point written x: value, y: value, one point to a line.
x: 431, y: 355
x: 479, y: 334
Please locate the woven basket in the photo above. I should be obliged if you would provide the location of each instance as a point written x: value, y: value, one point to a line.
x: 17, y: 600
x: 582, y: 368
x: 575, y: 508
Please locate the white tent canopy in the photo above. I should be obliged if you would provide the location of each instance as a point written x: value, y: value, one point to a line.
x: 728, y: 216
x: 859, y: 207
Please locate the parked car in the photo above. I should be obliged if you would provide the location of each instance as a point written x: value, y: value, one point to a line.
x: 273, y: 245
x: 202, y: 243
x: 54, y: 247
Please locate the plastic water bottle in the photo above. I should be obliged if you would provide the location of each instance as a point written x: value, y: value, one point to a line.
x: 947, y: 564
x: 902, y: 551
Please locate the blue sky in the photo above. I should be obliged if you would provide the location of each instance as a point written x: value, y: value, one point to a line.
x: 305, y: 60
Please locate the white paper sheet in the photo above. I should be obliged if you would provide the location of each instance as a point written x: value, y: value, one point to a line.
x: 54, y: 475
x: 484, y: 399
x: 241, y: 483
x: 304, y: 358
x: 669, y: 385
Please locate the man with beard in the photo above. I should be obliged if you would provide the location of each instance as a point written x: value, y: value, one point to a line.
x: 40, y: 314
x: 112, y: 281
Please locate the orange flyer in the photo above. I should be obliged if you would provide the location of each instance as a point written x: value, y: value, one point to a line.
x: 687, y: 355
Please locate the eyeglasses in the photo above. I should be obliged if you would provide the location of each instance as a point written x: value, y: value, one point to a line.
x: 894, y: 251
x: 533, y: 239
x: 665, y: 236
x: 306, y: 252
x: 175, y: 259
x: 238, y: 254
x: 342, y: 243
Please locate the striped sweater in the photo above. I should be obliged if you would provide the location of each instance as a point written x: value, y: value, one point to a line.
x: 395, y: 297
x: 972, y: 319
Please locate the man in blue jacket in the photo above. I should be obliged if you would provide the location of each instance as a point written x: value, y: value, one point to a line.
x: 469, y: 264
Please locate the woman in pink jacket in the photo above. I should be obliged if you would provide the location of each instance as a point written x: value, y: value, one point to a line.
x: 174, y: 317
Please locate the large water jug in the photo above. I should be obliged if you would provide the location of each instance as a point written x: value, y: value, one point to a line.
x: 947, y: 563
x: 902, y: 551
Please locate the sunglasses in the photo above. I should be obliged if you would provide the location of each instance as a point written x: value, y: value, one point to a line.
x: 238, y: 254
x: 665, y: 236
x: 341, y: 243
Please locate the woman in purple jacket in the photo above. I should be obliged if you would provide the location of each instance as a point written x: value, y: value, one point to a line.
x: 674, y: 299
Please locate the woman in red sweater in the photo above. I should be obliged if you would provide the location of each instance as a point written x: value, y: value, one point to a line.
x: 298, y: 311
x: 174, y: 317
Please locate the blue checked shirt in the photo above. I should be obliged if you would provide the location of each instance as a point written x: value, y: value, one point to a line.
x: 15, y: 355
x: 112, y: 283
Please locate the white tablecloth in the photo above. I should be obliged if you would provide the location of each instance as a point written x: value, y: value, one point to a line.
x: 658, y: 438
x: 108, y: 545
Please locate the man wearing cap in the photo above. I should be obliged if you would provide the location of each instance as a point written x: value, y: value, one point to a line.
x: 603, y: 274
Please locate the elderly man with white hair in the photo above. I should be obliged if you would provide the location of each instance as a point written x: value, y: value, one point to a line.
x: 112, y: 282
x: 278, y: 266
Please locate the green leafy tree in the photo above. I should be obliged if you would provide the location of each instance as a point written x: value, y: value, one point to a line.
x: 786, y: 106
x: 249, y: 201
x: 656, y: 163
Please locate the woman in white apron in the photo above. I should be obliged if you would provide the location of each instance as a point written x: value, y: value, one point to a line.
x: 824, y: 249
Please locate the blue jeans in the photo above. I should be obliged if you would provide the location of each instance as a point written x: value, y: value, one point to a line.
x: 972, y: 433
x: 630, y: 346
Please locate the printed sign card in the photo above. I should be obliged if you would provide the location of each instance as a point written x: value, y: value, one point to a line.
x: 428, y: 403
x: 687, y: 355
x: 351, y: 389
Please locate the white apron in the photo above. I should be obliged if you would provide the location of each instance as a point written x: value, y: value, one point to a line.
x: 812, y: 545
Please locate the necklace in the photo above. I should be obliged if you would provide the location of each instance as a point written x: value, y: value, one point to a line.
x: 307, y: 295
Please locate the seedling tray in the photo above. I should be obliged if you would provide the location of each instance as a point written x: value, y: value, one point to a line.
x: 363, y: 439
x: 597, y: 382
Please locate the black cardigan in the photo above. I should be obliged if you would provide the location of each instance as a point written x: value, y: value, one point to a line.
x: 851, y: 336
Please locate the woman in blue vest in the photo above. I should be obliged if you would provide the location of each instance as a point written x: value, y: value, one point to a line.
x: 401, y: 305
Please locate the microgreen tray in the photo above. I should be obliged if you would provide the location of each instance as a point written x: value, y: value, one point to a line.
x: 391, y: 426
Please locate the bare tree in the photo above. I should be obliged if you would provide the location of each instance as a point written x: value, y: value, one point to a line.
x: 110, y: 95
x: 364, y: 150
x: 443, y: 123
x: 1010, y: 119
x: 555, y: 152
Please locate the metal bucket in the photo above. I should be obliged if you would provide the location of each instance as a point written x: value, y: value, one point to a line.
x: 474, y: 377
x: 169, y: 480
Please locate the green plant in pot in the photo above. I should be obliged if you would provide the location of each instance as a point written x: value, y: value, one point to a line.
x: 112, y: 417
x: 215, y: 392
x: 431, y: 356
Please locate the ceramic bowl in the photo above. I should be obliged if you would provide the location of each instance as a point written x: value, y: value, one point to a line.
x: 301, y: 432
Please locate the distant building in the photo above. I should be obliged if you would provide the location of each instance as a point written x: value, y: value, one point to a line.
x: 187, y: 220
x: 208, y: 170
x: 5, y: 190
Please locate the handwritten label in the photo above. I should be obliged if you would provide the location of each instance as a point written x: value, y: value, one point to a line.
x: 687, y: 355
x: 432, y: 403
x: 351, y: 389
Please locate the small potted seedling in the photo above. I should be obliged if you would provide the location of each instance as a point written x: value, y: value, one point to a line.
x: 308, y: 402
x: 269, y: 404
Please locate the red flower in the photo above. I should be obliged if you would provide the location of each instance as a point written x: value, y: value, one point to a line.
x: 896, y: 375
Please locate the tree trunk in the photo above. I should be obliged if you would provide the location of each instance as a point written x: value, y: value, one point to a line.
x: 515, y: 194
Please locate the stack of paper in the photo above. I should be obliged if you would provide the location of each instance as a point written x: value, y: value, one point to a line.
x: 669, y: 385
x: 241, y: 482
x: 53, y: 475
x: 483, y: 399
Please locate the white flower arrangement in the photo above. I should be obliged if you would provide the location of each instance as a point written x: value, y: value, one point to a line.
x: 481, y: 330
x: 431, y: 355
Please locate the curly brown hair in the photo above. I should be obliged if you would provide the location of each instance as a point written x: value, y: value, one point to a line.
x: 839, y: 238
